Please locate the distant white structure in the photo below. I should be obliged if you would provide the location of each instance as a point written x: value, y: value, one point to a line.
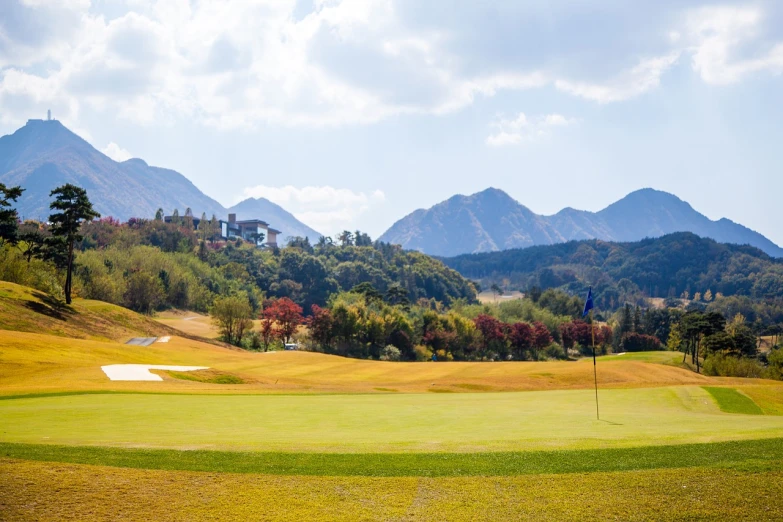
x: 48, y: 118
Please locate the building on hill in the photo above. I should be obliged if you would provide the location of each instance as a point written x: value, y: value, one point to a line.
x: 253, y: 230
x: 48, y: 118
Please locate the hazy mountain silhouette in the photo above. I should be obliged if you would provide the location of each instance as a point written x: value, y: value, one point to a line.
x: 45, y: 154
x: 491, y: 220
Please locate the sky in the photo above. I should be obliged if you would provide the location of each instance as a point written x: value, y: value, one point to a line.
x: 353, y: 113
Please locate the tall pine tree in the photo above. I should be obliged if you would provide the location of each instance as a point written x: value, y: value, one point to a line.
x: 72, y: 207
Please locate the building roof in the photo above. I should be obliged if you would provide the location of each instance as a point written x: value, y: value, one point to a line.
x: 252, y: 221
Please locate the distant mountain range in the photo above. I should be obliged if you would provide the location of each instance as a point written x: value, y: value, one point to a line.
x: 491, y: 221
x: 45, y: 154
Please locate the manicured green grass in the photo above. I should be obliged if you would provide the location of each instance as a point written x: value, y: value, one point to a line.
x: 748, y: 455
x: 732, y: 401
x: 390, y: 422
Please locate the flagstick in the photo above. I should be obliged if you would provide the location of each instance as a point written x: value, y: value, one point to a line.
x: 595, y: 371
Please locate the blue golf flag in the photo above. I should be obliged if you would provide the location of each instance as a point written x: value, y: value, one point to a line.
x: 589, y: 302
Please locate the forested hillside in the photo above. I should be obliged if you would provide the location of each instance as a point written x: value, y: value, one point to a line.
x: 676, y: 265
x: 118, y: 257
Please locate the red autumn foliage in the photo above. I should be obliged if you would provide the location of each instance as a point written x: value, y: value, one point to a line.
x: 321, y: 324
x: 520, y: 336
x: 440, y: 340
x: 541, y: 336
x: 491, y: 329
x: 286, y: 316
x: 577, y: 332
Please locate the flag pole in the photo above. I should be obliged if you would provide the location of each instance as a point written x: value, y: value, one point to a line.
x: 595, y: 371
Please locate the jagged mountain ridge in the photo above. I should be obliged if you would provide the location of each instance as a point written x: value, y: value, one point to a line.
x: 45, y: 154
x: 491, y: 220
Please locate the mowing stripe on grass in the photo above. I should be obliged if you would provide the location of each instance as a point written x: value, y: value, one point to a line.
x: 747, y: 455
x: 731, y: 401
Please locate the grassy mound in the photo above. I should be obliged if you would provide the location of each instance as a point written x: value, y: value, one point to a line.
x: 24, y: 309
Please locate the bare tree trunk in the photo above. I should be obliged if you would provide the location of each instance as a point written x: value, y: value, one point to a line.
x: 69, y: 275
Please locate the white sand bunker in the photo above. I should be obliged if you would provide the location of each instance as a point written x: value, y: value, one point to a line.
x: 141, y: 372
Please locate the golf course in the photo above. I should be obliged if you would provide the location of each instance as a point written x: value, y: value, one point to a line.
x: 289, y: 435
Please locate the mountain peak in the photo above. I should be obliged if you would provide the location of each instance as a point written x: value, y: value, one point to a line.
x: 652, y: 193
x: 135, y: 162
x: 492, y: 220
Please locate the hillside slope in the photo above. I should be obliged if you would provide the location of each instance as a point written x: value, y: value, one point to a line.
x: 491, y: 220
x: 664, y: 266
x: 24, y: 309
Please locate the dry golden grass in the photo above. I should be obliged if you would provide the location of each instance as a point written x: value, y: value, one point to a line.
x: 189, y: 322
x: 51, y: 491
x: 769, y: 399
x: 198, y: 325
x: 27, y: 310
x: 34, y: 363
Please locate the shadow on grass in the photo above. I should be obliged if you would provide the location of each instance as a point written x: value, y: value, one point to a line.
x: 49, y: 306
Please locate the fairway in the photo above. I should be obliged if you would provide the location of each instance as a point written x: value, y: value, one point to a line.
x: 368, y: 423
x: 35, y: 363
x: 302, y: 435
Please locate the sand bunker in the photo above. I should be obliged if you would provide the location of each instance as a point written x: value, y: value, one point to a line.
x: 141, y: 372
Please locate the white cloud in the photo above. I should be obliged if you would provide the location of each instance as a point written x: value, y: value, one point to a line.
x: 116, y: 152
x: 645, y: 76
x: 718, y: 36
x: 523, y: 129
x: 232, y: 64
x: 324, y: 208
x: 66, y: 4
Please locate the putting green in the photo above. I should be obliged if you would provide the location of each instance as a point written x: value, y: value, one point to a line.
x: 388, y: 423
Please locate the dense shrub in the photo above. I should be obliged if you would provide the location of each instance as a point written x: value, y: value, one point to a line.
x: 555, y: 351
x: 775, y: 364
x: 36, y: 274
x: 728, y: 366
x: 634, y: 342
x: 390, y: 353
